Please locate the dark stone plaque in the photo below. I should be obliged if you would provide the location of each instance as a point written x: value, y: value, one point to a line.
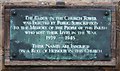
x: 60, y: 34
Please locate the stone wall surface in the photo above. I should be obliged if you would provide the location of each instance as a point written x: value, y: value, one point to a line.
x: 51, y: 1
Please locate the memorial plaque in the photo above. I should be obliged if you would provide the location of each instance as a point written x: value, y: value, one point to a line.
x: 60, y: 34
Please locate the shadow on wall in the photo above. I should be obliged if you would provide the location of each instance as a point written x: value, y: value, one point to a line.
x: 0, y: 25
x: 0, y: 37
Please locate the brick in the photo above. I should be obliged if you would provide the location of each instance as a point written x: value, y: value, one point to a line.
x: 31, y: 0
x: 72, y: 1
x: 0, y: 36
x: 4, y: 1
x: 88, y: 1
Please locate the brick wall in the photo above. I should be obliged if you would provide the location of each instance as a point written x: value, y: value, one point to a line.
x: 63, y: 0
x: 53, y: 1
x: 0, y: 36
